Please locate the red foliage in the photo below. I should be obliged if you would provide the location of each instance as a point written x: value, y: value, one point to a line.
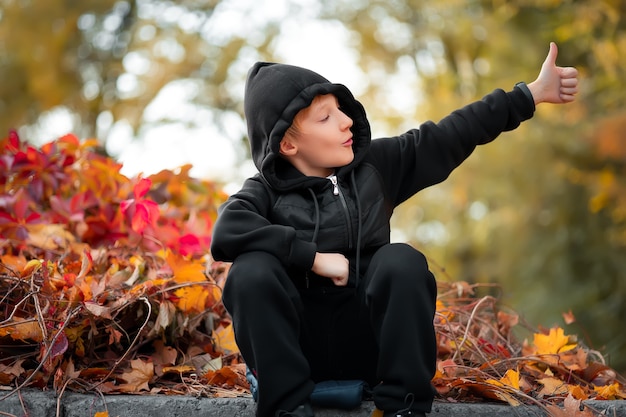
x: 107, y: 284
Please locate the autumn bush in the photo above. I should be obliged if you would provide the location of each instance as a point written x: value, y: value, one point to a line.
x: 107, y: 284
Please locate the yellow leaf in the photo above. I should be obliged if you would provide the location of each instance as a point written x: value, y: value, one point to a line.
x: 511, y: 379
x: 225, y: 338
x: 444, y: 311
x: 101, y: 414
x: 192, y: 299
x: 553, y: 386
x: 554, y: 342
x: 610, y: 392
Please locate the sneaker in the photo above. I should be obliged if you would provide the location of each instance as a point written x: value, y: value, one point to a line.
x: 303, y: 410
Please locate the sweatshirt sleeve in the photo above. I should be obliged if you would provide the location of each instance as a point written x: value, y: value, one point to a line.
x: 426, y: 156
x: 242, y: 226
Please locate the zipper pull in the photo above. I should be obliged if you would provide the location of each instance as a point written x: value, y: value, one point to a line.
x: 333, y: 179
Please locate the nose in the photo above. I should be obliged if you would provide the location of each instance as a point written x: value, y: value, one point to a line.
x: 346, y: 121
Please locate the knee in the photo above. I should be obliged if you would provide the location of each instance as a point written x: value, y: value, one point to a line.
x: 407, y: 267
x: 402, y: 258
x: 251, y: 276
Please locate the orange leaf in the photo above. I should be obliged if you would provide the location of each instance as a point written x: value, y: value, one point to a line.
x: 179, y: 369
x: 578, y: 393
x: 184, y: 270
x: 101, y: 414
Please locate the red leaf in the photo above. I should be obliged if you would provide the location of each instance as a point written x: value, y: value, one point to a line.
x: 142, y: 188
x: 60, y: 345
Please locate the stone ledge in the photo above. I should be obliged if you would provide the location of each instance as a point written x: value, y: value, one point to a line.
x: 44, y: 404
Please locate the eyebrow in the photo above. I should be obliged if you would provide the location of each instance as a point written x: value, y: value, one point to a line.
x: 325, y: 104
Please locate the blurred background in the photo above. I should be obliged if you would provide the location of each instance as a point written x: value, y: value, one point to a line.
x: 541, y: 212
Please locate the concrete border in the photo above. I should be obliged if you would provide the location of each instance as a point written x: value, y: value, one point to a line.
x: 37, y: 403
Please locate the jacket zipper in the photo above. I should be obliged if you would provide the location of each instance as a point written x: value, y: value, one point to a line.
x: 337, y: 191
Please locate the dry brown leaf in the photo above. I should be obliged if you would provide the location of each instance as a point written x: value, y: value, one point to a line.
x: 23, y: 329
x: 15, y: 369
x: 552, y: 386
x: 571, y: 408
x: 138, y: 377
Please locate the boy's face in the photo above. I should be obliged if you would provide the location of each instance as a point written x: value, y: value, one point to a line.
x: 323, y: 141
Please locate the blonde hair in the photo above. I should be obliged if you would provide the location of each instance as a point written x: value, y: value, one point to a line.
x: 294, y: 129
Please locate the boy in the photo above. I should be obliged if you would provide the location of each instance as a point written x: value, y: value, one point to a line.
x: 316, y: 291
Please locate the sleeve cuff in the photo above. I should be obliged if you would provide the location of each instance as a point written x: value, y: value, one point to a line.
x: 303, y: 254
x: 522, y: 86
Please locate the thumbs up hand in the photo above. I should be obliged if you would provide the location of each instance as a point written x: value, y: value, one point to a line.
x: 554, y: 84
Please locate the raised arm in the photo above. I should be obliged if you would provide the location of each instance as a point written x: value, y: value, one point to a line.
x: 554, y: 84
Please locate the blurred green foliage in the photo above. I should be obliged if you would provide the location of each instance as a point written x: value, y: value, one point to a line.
x: 542, y: 211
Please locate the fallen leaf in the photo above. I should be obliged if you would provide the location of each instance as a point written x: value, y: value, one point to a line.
x: 554, y: 342
x: 167, y: 310
x: 610, y: 392
x: 192, y: 299
x: 9, y: 372
x: 138, y: 378
x: 225, y: 339
x: 179, y: 369
x: 205, y: 363
x: 511, y: 379
x: 23, y: 330
x: 569, y: 317
x: 571, y: 408
x: 552, y: 386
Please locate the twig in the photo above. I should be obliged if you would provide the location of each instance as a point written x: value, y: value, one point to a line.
x: 40, y: 318
x: 115, y: 365
x: 17, y: 305
x: 61, y: 396
x: 45, y: 357
x: 467, y: 328
x: 26, y: 413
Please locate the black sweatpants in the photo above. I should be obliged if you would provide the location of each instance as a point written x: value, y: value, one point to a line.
x: 381, y: 332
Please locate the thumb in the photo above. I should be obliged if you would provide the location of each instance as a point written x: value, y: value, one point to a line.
x: 552, y: 54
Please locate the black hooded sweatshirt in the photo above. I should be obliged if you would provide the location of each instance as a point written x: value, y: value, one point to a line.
x: 292, y: 216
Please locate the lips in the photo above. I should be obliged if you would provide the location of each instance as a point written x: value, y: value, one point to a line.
x: 348, y: 142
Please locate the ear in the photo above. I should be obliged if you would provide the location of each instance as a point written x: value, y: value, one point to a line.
x: 287, y: 146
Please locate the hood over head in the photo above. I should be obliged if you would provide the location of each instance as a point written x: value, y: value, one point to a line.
x: 274, y: 94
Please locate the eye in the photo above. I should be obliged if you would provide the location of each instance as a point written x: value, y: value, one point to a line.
x: 325, y: 118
